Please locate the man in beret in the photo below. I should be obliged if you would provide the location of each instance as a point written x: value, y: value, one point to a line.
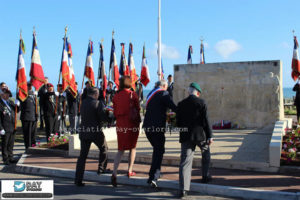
x: 7, y: 126
x: 195, y: 130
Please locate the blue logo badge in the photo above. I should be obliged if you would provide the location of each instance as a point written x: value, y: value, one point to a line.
x: 19, y: 186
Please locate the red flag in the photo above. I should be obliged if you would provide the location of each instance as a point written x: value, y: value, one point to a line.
x: 89, y: 72
x: 21, y: 74
x: 295, y: 61
x: 73, y: 86
x: 113, y: 66
x: 145, y: 76
x: 64, y: 69
x: 36, y: 70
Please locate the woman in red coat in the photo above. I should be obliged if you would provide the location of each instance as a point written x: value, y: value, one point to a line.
x: 127, y: 129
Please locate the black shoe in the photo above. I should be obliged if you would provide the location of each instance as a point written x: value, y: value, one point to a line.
x: 206, y: 179
x: 79, y: 184
x: 13, y: 161
x: 105, y: 171
x: 114, y: 181
x: 183, y: 194
x: 6, y: 162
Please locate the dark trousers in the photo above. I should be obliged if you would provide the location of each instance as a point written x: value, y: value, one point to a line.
x: 186, y: 162
x: 41, y: 117
x: 157, y: 141
x: 7, y: 144
x: 51, y: 124
x: 29, y: 133
x: 72, y: 120
x: 298, y: 112
x: 85, y: 144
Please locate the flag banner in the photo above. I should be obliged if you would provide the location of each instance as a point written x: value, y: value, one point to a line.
x: 64, y: 68
x: 36, y: 71
x: 124, y: 69
x: 202, y: 58
x: 113, y: 66
x: 102, y: 71
x: 145, y: 76
x: 295, y: 61
x: 189, y: 57
x: 131, y: 65
x: 72, y: 86
x: 162, y: 71
x: 89, y: 71
x: 22, y: 91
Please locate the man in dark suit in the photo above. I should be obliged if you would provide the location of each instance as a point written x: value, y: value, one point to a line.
x: 72, y: 110
x: 62, y: 100
x: 195, y: 130
x: 41, y: 94
x: 170, y: 85
x: 158, y: 102
x: 90, y: 130
x: 29, y: 117
x: 51, y: 109
x: 7, y: 126
x: 296, y: 89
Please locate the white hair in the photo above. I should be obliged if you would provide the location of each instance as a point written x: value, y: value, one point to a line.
x: 192, y: 91
x: 161, y: 83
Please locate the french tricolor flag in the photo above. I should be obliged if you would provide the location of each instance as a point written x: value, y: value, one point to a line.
x: 132, y: 66
x: 113, y: 65
x: 295, y: 61
x: 64, y: 69
x: 189, y: 57
x: 22, y: 90
x: 145, y: 76
x: 89, y: 71
x: 124, y: 69
x: 36, y: 70
x: 73, y: 86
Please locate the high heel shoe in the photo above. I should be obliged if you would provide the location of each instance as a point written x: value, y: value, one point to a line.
x: 114, y: 180
x: 129, y: 174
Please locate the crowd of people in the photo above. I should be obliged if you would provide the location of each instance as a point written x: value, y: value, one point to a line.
x: 89, y: 112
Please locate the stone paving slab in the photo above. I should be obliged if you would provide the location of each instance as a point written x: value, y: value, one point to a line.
x: 224, y: 177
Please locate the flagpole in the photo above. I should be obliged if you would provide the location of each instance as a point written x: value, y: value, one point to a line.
x: 17, y: 88
x: 56, y: 99
x: 35, y: 96
x: 159, y: 40
x: 113, y: 32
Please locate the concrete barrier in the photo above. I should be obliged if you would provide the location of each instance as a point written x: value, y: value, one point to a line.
x: 74, y: 141
x: 276, y: 141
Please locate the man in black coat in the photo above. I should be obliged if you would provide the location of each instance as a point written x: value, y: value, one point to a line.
x: 7, y: 127
x: 51, y: 110
x: 72, y: 110
x: 195, y: 130
x: 158, y: 102
x: 29, y: 117
x: 41, y: 94
x: 90, y: 130
x: 62, y: 100
x: 296, y: 89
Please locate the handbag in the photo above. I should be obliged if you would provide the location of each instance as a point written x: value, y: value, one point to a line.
x: 134, y: 114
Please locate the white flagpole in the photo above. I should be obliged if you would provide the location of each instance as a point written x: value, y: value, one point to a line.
x: 159, y: 42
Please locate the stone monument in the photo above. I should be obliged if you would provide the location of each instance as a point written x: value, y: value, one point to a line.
x: 248, y: 94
